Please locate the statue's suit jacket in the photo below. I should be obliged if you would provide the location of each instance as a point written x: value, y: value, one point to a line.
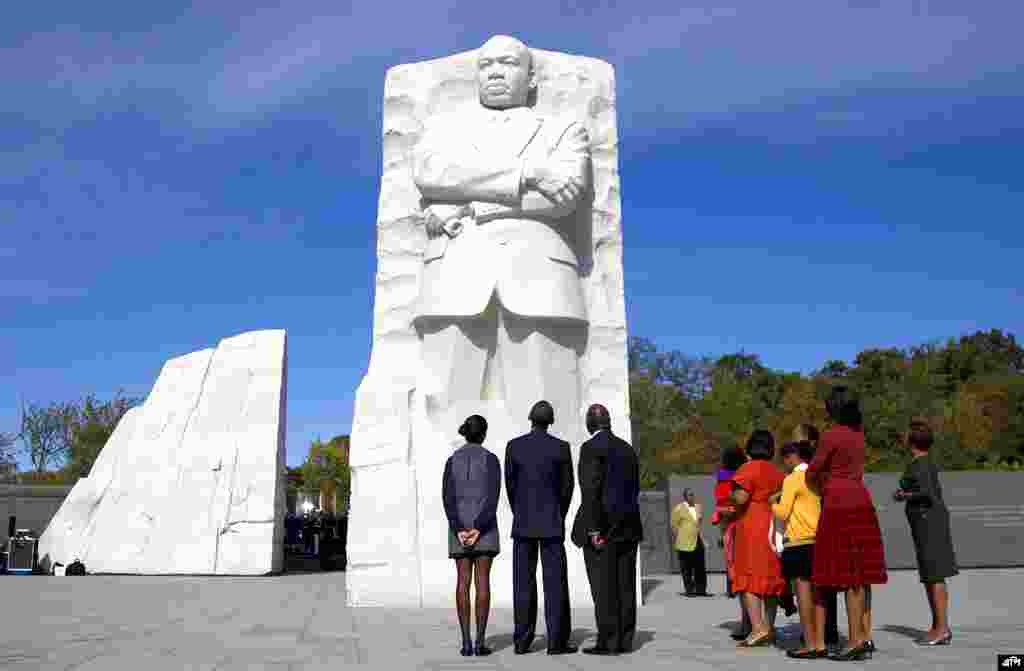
x: 519, y: 245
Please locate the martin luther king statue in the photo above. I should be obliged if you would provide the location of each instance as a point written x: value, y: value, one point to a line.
x: 501, y: 313
x: 499, y: 284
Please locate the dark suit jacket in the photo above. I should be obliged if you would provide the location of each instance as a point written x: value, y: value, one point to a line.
x: 539, y: 484
x: 610, y: 491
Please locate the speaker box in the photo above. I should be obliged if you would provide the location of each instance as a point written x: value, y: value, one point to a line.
x: 22, y: 557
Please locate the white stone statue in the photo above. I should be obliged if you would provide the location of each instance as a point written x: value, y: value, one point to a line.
x: 499, y: 284
x: 191, y: 481
x: 501, y: 313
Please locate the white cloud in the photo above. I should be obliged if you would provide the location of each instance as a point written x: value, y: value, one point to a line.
x: 228, y: 64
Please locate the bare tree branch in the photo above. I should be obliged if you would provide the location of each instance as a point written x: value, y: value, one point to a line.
x: 46, y: 432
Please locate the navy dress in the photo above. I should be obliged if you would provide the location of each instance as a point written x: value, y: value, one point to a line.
x: 470, y: 490
x: 929, y: 521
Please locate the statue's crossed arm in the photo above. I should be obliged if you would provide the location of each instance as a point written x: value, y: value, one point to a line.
x: 459, y: 181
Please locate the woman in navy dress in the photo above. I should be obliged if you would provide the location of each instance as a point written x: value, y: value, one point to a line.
x: 470, y: 490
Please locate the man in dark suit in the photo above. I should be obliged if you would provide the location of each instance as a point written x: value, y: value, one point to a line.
x: 609, y: 529
x: 539, y: 484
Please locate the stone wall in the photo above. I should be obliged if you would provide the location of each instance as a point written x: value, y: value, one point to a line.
x: 657, y: 556
x: 987, y: 513
x: 33, y: 505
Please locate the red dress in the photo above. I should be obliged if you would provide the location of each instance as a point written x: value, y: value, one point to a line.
x: 724, y: 503
x: 756, y: 567
x: 848, y: 549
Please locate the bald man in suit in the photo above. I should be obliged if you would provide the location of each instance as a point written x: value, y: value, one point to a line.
x: 608, y: 528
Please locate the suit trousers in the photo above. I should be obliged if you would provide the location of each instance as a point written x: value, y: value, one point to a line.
x: 693, y: 569
x: 612, y: 574
x: 557, y: 614
x: 498, y: 355
x: 831, y: 617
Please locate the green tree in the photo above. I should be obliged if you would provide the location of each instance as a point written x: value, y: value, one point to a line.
x: 980, y: 355
x: 834, y: 368
x: 657, y: 411
x: 92, y: 425
x: 328, y: 462
x: 728, y: 408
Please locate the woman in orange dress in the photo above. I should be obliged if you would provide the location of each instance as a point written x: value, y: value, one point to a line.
x: 757, y: 570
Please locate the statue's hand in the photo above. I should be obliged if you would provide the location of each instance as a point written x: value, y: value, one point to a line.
x: 433, y: 223
x: 554, y: 186
x: 453, y: 227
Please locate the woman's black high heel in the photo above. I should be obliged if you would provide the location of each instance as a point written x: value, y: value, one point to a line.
x: 857, y: 654
x: 467, y: 649
x: 481, y: 650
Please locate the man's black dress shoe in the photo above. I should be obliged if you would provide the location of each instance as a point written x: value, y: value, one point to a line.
x: 807, y: 654
x: 859, y: 653
x: 597, y: 650
x: 522, y: 649
x: 564, y: 650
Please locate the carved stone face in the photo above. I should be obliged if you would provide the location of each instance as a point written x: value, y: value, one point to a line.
x: 504, y: 73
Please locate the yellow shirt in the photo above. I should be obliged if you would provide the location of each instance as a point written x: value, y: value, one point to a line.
x: 799, y: 507
x: 686, y: 523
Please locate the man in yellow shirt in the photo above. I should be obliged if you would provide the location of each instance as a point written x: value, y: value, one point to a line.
x: 687, y: 517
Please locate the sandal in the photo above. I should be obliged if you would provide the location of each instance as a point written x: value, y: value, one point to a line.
x: 760, y: 641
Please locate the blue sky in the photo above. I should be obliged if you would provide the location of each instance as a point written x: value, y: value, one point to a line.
x: 799, y: 183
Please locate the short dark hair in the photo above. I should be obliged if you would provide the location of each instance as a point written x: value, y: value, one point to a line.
x: 843, y: 407
x: 542, y: 414
x: 788, y: 449
x: 761, y: 445
x: 920, y: 436
x: 806, y: 451
x: 733, y: 458
x: 474, y: 429
x: 598, y: 418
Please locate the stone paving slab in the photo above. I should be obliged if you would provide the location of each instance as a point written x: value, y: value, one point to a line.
x: 301, y: 623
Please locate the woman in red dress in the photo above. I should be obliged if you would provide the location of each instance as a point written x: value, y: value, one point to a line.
x: 757, y: 570
x: 848, y: 555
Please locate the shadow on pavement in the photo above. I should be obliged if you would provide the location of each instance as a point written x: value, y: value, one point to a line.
x: 649, y: 585
x: 500, y: 642
x: 900, y: 630
x: 642, y: 638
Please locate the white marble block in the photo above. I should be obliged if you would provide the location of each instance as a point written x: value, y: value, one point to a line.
x: 557, y: 274
x: 192, y: 481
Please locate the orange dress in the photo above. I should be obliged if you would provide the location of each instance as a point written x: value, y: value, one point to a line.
x: 756, y: 567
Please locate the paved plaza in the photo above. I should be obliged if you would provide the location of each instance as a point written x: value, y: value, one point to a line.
x: 300, y: 622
